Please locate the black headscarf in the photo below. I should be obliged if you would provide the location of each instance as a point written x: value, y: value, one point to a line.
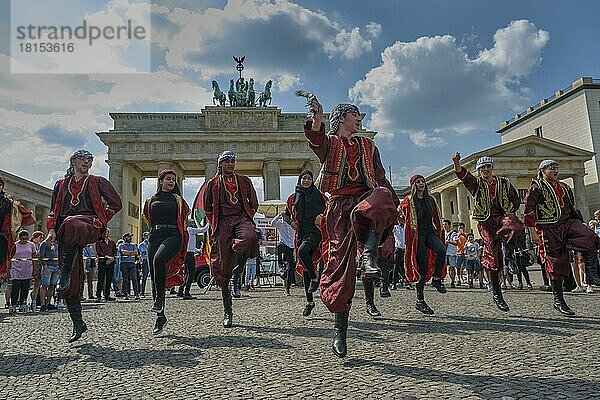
x: 308, y: 202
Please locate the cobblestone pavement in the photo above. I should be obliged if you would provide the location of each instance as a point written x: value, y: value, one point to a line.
x: 468, y: 349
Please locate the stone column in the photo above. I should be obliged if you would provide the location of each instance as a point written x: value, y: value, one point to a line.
x: 445, y: 205
x: 210, y: 169
x: 580, y: 195
x: 115, y: 176
x: 462, y: 206
x: 271, y: 179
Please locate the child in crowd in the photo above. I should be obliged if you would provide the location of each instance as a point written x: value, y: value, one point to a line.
x: 472, y: 262
x: 21, y: 273
x: 250, y: 274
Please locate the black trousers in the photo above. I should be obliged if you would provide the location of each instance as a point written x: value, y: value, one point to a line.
x: 190, y: 271
x: 105, y: 277
x: 308, y: 243
x: 306, y: 279
x: 163, y: 244
x: 287, y: 255
x: 399, y: 273
x: 432, y: 241
x: 20, y: 289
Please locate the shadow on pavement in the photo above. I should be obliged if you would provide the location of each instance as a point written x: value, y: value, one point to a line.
x: 465, y: 325
x: 230, y: 341
x: 489, y: 387
x: 31, y: 364
x: 135, y: 358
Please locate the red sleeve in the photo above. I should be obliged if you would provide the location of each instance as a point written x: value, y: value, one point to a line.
x: 110, y: 195
x: 317, y: 140
x: 531, y: 200
x: 252, y: 198
x: 380, y: 175
x: 51, y: 220
x: 468, y: 180
x: 208, y: 197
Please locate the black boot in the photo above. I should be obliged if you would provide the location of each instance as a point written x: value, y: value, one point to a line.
x: 591, y: 268
x: 227, y: 307
x: 423, y: 307
x: 384, y: 287
x: 339, y: 337
x: 370, y: 299
x: 159, y: 302
x: 559, y: 300
x: 68, y: 258
x: 161, y: 321
x: 497, y: 291
x: 368, y: 260
x: 79, y: 327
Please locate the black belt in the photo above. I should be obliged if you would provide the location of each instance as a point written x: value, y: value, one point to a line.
x: 165, y: 226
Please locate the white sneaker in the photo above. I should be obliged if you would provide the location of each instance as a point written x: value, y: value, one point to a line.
x: 589, y: 289
x: 578, y: 289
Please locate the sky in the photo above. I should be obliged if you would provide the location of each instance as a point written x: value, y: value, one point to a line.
x: 433, y: 77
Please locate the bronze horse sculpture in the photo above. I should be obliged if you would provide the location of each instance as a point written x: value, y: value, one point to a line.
x: 218, y: 95
x: 266, y: 95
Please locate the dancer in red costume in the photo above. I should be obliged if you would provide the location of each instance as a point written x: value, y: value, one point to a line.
x: 495, y: 202
x: 305, y: 207
x: 230, y: 202
x: 13, y: 217
x: 425, y: 254
x: 360, y: 211
x: 82, y: 205
x: 166, y: 212
x: 557, y: 227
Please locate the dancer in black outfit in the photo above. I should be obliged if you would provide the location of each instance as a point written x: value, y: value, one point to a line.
x: 166, y: 212
x: 305, y: 207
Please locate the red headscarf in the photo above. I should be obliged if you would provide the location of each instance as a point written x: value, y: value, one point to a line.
x: 414, y: 178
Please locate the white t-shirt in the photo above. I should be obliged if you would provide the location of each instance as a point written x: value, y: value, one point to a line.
x: 471, y: 250
x: 451, y: 236
x: 399, y: 236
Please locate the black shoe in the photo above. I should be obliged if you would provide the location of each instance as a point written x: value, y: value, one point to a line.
x: 173, y: 291
x: 339, y: 343
x: 499, y: 300
x: 43, y: 308
x: 373, y: 311
x: 314, y: 286
x: 158, y: 306
x: 439, y: 285
x: 78, y: 330
x: 308, y: 309
x: 423, y: 307
x: 98, y: 300
x: 564, y: 309
x: 236, y: 293
x: 110, y: 299
x: 393, y: 286
x: 338, y: 346
x: 51, y: 307
x: 91, y: 297
x: 180, y: 293
x: 125, y: 298
x: 188, y: 296
x: 384, y: 291
x: 159, y: 325
x: 228, y: 320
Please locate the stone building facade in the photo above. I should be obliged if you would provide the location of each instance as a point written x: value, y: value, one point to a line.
x: 572, y: 117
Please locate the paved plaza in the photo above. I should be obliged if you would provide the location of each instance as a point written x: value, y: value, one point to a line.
x: 468, y: 349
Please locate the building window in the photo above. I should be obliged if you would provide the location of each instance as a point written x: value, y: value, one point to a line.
x: 538, y: 132
x: 452, y: 207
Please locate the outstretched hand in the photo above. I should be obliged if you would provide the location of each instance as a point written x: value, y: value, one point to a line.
x: 456, y: 161
x: 317, y: 111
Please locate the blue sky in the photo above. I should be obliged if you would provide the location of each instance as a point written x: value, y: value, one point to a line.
x: 433, y: 77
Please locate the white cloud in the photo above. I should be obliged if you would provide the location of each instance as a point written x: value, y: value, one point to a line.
x: 374, y: 29
x: 284, y: 37
x: 401, y: 176
x: 430, y: 87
